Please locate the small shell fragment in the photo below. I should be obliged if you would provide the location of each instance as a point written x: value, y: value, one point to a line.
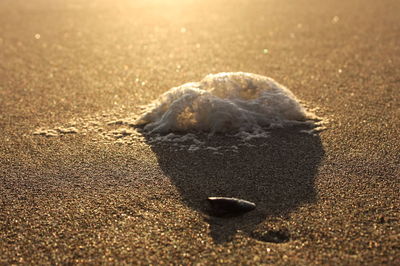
x: 222, y: 206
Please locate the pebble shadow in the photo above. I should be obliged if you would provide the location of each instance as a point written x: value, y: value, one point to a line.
x: 277, y: 174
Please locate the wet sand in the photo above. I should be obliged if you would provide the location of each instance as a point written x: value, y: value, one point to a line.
x: 78, y: 198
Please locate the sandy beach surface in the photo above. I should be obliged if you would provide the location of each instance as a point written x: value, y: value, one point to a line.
x: 89, y: 197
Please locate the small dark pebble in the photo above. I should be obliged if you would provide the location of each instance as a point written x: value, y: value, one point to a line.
x: 272, y: 236
x: 221, y: 206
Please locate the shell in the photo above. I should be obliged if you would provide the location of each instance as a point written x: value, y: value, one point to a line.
x: 222, y: 206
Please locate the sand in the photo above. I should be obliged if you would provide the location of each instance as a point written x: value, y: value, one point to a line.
x: 79, y: 198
